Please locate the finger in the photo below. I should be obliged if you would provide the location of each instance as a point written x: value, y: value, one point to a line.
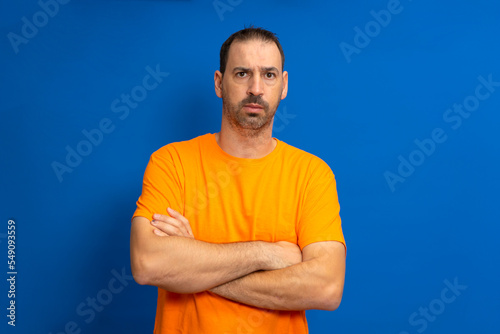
x: 176, y: 220
x: 168, y: 228
x: 168, y: 219
x: 177, y: 215
x: 172, y: 221
x: 160, y: 233
x: 183, y: 219
x: 160, y: 217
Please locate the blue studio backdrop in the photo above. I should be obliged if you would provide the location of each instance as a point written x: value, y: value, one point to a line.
x: 401, y: 98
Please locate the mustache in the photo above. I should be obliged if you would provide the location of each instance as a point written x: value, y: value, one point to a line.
x: 255, y: 99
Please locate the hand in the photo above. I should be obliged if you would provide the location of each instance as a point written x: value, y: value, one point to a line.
x: 173, y: 225
x: 284, y: 254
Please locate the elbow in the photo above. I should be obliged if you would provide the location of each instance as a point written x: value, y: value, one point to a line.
x: 140, y: 272
x: 332, y: 304
x: 141, y: 278
x: 142, y: 268
x: 146, y: 270
x: 331, y: 298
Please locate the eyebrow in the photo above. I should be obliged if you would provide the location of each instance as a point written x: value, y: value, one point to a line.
x: 263, y: 69
x: 269, y: 69
x: 241, y: 69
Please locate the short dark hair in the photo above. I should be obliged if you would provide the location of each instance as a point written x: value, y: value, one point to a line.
x: 250, y: 33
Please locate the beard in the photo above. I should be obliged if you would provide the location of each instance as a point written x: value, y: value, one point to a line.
x: 251, y: 124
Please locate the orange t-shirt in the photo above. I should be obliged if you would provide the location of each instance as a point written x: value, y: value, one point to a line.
x: 288, y: 195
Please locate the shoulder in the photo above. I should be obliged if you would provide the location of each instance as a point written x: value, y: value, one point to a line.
x: 305, y: 160
x: 177, y: 150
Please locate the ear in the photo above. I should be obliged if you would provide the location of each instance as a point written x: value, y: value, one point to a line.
x: 218, y: 83
x: 285, y: 85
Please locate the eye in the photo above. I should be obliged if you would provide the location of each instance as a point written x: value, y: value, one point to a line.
x: 270, y: 75
x: 241, y: 74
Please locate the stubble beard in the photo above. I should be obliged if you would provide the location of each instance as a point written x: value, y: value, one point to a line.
x: 248, y: 124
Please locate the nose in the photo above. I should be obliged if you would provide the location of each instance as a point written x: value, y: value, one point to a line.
x: 255, y: 86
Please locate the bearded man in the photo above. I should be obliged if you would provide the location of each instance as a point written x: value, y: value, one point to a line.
x: 240, y: 231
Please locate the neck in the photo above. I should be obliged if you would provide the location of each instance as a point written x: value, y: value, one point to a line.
x: 244, y: 143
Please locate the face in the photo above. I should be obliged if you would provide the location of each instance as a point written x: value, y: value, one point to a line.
x: 253, y: 84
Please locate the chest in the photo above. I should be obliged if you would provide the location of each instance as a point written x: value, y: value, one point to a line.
x: 237, y: 203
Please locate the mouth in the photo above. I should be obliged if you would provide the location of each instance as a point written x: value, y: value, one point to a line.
x: 253, y: 107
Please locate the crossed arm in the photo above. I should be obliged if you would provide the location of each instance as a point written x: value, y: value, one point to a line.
x: 268, y: 275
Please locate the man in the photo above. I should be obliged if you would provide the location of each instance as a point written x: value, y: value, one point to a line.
x: 239, y: 231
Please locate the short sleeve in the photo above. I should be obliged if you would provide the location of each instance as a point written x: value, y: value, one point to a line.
x: 320, y: 218
x: 160, y: 188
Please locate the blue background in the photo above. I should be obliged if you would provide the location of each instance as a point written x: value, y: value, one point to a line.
x: 359, y: 112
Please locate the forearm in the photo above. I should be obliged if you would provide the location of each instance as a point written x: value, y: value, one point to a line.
x: 185, y: 265
x: 300, y: 287
x: 182, y: 264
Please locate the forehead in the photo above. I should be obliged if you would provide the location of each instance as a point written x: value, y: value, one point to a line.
x: 253, y: 53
